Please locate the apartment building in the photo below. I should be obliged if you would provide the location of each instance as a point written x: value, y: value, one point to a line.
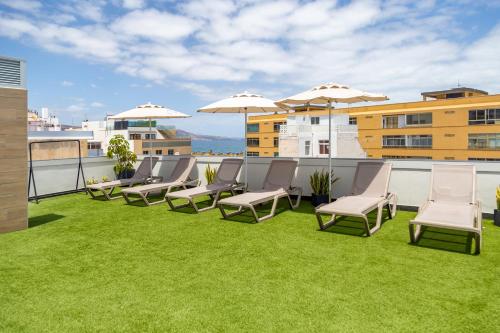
x: 455, y: 124
x: 160, y: 140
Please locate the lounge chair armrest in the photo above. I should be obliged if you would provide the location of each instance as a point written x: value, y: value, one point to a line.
x: 193, y: 182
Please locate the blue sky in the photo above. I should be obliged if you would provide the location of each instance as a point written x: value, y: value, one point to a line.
x: 89, y: 58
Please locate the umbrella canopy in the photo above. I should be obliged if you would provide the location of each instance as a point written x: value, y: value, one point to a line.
x: 242, y: 103
x: 331, y: 93
x: 149, y: 111
x: 327, y: 94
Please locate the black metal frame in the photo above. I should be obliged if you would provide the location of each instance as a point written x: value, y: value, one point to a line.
x: 31, y: 177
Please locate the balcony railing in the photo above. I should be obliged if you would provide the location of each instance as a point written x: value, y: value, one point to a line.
x: 410, y: 178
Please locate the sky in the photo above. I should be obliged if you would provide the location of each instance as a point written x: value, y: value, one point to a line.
x: 90, y: 58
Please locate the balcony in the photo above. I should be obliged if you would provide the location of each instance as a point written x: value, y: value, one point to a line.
x: 103, y: 265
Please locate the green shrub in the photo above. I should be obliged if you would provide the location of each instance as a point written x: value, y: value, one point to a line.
x: 319, y: 182
x: 119, y: 148
x: 210, y: 174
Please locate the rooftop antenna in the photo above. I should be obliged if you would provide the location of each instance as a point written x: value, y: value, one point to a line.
x: 458, y: 83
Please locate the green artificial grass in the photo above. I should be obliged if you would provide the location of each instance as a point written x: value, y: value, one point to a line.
x: 87, y: 265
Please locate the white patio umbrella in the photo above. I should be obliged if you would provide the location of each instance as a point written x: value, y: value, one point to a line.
x: 243, y: 103
x: 327, y: 94
x: 149, y: 111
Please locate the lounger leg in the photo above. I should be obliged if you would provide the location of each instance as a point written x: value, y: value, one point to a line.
x: 297, y: 202
x: 478, y: 241
x: 415, y: 232
x: 367, y: 225
x: 227, y: 215
x: 328, y: 224
x: 125, y: 196
x: 174, y: 207
x: 378, y: 224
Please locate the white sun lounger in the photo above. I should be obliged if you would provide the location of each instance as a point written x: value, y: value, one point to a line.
x: 140, y: 176
x: 179, y: 178
x: 452, y: 203
x: 277, y: 184
x: 369, y: 192
x: 225, y: 181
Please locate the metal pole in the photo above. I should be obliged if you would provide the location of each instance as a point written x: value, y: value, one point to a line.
x: 150, y: 151
x: 329, y: 151
x: 246, y: 151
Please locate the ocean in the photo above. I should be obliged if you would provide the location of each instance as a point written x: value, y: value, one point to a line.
x: 219, y: 146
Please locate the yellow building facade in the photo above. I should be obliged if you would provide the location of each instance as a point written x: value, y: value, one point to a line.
x: 455, y: 124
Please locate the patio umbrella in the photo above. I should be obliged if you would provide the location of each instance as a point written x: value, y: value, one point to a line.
x: 327, y: 94
x: 149, y: 111
x: 243, y: 103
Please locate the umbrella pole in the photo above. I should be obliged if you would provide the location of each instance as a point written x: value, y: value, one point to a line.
x: 150, y: 152
x: 329, y: 151
x: 246, y: 151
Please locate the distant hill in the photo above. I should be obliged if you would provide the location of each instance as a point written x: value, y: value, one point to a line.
x: 201, y: 137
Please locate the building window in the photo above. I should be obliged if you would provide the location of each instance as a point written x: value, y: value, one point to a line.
x: 454, y: 95
x: 120, y: 125
x: 276, y: 154
x: 314, y: 120
x: 353, y: 121
x: 484, y: 159
x: 390, y: 122
x: 252, y: 128
x: 276, y: 126
x: 158, y: 152
x: 170, y: 152
x: 323, y: 147
x: 481, y: 117
x: 134, y: 136
x: 252, y: 142
x: 307, y: 148
x: 402, y: 157
x: 253, y: 153
x: 93, y: 145
x: 145, y: 152
x: 484, y: 141
x: 393, y: 141
x: 419, y: 141
x: 419, y: 119
x: 150, y: 136
x: 276, y: 142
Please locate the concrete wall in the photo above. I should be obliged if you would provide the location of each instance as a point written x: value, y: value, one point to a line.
x: 58, y: 150
x: 410, y: 178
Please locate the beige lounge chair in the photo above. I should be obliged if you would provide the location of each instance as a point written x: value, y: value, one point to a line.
x: 452, y: 203
x: 369, y: 192
x: 225, y: 181
x: 178, y: 179
x: 140, y: 176
x: 277, y: 184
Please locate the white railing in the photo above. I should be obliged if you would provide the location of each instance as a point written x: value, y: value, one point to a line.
x: 409, y: 179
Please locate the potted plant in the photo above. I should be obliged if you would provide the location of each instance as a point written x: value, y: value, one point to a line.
x: 496, y: 212
x: 210, y: 174
x: 119, y: 148
x: 319, y: 185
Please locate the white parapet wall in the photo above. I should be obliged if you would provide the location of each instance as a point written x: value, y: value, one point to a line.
x: 410, y: 178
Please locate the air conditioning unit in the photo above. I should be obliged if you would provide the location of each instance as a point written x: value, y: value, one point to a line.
x: 12, y: 73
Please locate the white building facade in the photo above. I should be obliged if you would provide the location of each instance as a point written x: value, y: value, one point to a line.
x: 307, y: 136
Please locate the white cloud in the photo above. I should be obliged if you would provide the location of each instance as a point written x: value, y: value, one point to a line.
x: 22, y: 5
x: 133, y: 4
x: 67, y: 83
x: 154, y: 24
x: 96, y: 104
x: 212, y: 48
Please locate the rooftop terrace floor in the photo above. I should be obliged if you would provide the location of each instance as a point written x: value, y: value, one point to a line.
x: 89, y: 265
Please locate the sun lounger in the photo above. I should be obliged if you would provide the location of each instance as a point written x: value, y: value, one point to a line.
x: 452, y: 203
x: 225, y: 181
x: 277, y: 184
x: 140, y: 176
x: 369, y: 192
x: 178, y: 179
